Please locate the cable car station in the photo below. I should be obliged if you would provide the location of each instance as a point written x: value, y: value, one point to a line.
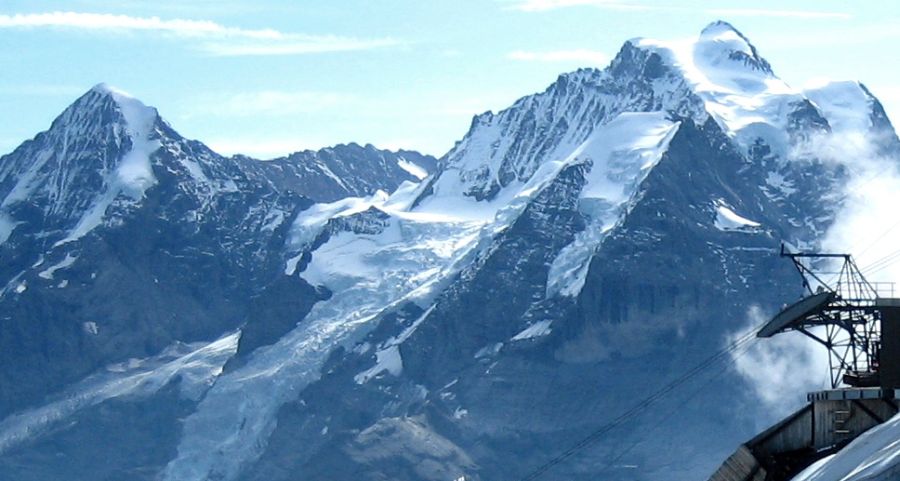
x: 858, y: 323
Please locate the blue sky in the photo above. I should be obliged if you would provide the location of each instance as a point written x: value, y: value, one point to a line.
x: 268, y: 77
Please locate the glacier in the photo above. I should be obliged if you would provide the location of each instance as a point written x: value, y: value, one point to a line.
x: 196, y: 365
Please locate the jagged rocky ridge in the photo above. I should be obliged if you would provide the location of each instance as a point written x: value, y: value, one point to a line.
x: 571, y: 253
x: 121, y: 238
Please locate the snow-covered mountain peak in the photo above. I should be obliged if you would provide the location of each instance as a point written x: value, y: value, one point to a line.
x: 133, y: 126
x: 139, y: 117
x: 719, y: 73
x: 721, y: 42
x: 720, y: 59
x: 103, y: 106
x: 720, y: 27
x: 104, y: 88
x: 738, y: 87
x: 502, y: 151
x: 96, y: 149
x: 87, y: 116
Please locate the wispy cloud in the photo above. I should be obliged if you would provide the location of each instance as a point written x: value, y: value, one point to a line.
x: 178, y: 7
x: 592, y: 57
x: 760, y: 12
x: 207, y: 36
x: 545, y: 5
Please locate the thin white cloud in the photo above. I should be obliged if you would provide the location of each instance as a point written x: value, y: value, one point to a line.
x: 179, y: 7
x: 207, y: 36
x: 586, y: 56
x: 545, y: 5
x: 105, y: 21
x: 760, y: 12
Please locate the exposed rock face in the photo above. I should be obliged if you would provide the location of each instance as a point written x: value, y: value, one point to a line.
x: 569, y: 256
x: 337, y: 172
x: 127, y: 237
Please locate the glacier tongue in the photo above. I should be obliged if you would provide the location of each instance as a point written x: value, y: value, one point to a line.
x: 369, y: 274
x: 196, y: 364
x: 232, y: 423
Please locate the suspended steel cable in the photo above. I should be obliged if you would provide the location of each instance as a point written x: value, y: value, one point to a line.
x: 883, y: 267
x: 889, y: 259
x: 724, y: 367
